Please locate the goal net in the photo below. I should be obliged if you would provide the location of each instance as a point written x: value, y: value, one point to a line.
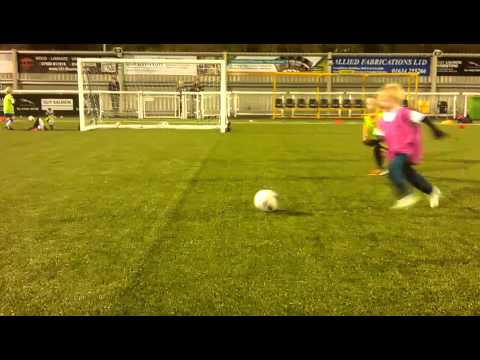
x: 150, y: 93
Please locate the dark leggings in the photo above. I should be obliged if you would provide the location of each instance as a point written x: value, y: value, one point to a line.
x: 401, y: 173
x: 377, y: 151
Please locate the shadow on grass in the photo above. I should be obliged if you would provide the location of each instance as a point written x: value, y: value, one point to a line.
x: 443, y: 168
x: 286, y: 212
x: 450, y: 164
x: 459, y: 161
x: 454, y: 180
x: 276, y: 178
x: 287, y: 161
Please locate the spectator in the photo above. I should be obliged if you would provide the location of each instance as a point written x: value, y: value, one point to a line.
x: 114, y: 85
x: 196, y: 87
x: 180, y: 89
x: 180, y: 86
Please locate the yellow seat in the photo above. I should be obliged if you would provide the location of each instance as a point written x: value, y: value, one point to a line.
x: 448, y: 122
x: 424, y: 106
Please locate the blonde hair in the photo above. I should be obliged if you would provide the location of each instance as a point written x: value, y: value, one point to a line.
x: 373, y: 101
x: 393, y: 91
x: 8, y: 90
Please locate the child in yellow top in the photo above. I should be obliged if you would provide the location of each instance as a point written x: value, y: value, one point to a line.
x: 9, y: 108
x: 371, y: 135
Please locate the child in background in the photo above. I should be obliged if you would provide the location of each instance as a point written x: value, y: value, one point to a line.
x: 50, y: 118
x: 370, y: 136
x: 402, y: 130
x: 8, y: 108
x: 38, y: 124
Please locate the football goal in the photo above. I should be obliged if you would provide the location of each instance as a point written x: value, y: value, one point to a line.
x: 146, y: 93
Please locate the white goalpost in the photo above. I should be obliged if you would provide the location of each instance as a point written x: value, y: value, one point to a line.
x: 152, y: 93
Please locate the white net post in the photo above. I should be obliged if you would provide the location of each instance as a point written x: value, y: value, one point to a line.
x: 223, y: 97
x: 151, y: 96
x: 81, y: 96
x: 140, y: 105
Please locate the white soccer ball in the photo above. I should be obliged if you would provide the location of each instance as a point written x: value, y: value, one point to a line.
x: 266, y: 200
x: 31, y: 118
x: 117, y: 124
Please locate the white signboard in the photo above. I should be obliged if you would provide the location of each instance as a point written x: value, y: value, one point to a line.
x: 276, y: 63
x: 161, y: 69
x: 108, y: 68
x: 255, y: 63
x: 57, y: 104
x: 6, y: 65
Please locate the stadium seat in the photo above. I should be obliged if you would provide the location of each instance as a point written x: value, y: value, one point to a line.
x: 312, y: 103
x: 358, y: 103
x: 301, y: 103
x: 347, y: 103
x: 335, y: 103
x: 324, y: 103
x: 290, y: 103
x: 442, y: 107
x: 279, y: 103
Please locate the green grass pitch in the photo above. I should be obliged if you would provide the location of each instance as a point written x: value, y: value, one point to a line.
x: 161, y: 222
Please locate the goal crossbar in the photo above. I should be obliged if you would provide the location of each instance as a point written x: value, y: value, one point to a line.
x: 150, y: 61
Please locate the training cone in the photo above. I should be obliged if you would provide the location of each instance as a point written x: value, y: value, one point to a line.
x: 461, y: 126
x: 338, y: 121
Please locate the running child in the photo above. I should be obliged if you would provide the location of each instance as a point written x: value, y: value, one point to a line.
x: 9, y: 108
x: 402, y: 131
x: 370, y: 136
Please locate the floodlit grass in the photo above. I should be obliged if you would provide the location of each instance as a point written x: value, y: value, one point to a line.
x: 144, y: 222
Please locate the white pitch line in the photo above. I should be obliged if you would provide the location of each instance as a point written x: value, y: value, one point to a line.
x: 292, y: 123
x: 316, y: 123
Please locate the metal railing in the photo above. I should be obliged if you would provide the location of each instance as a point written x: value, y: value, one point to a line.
x: 157, y: 104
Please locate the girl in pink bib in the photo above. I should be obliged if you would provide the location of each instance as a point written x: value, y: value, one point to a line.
x: 401, y: 129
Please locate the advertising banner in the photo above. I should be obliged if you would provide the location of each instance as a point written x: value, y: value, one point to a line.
x: 383, y: 63
x: 159, y: 68
x: 277, y: 63
x: 65, y: 104
x: 458, y: 66
x: 37, y: 104
x: 58, y: 64
x: 208, y: 69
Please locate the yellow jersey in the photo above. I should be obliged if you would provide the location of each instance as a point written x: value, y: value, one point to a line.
x: 370, y: 124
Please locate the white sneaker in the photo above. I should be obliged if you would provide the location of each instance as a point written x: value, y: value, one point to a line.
x: 434, y: 197
x: 406, y: 202
x: 384, y: 172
